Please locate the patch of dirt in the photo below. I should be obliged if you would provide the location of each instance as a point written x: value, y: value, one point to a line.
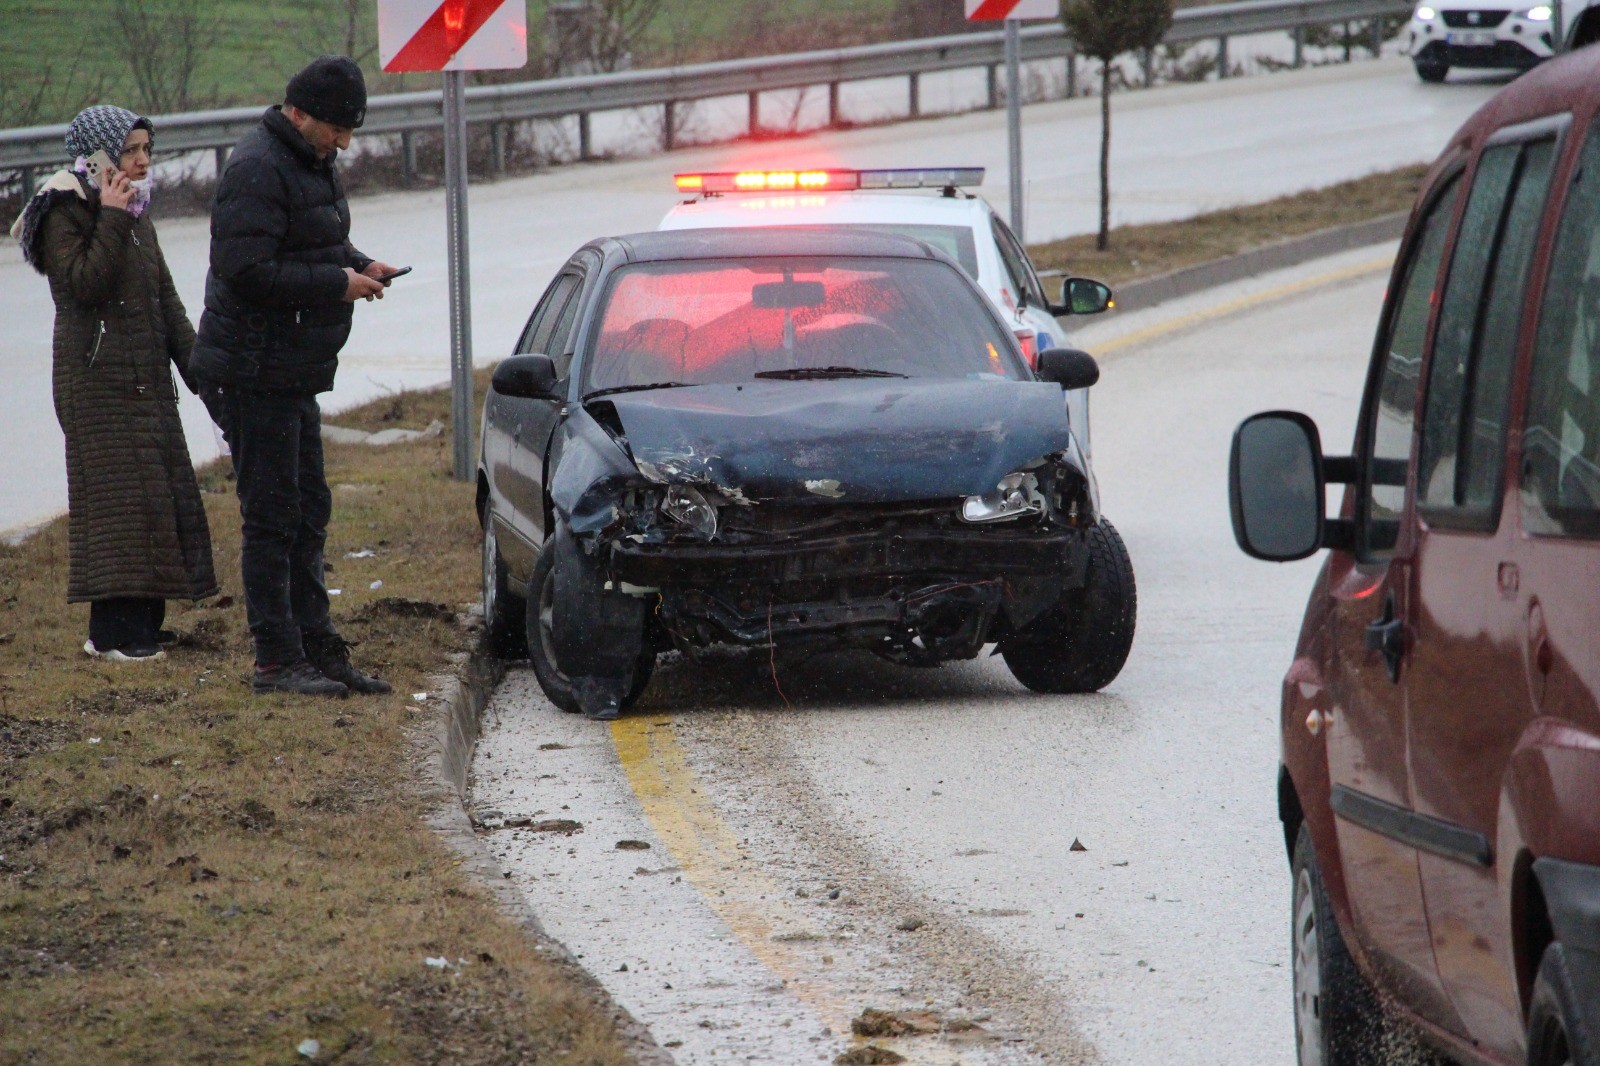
x: 404, y: 607
x: 208, y: 634
x: 118, y: 702
x: 80, y: 938
x: 255, y: 816
x: 870, y: 1055
x: 461, y: 1018
x: 565, y: 826
x: 22, y: 737
x: 633, y: 845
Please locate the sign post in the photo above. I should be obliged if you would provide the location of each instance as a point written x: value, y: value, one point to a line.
x: 455, y: 36
x: 1013, y: 12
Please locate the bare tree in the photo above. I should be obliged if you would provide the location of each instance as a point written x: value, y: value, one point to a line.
x: 598, y: 35
x: 1104, y: 30
x: 163, y: 44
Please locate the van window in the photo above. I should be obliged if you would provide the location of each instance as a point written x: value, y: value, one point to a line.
x: 1463, y: 427
x: 1392, y: 404
x: 1561, y: 441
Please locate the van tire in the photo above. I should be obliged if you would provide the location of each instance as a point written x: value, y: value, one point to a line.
x: 1555, y: 1035
x: 541, y: 654
x: 1432, y: 72
x: 1081, y: 643
x: 1337, y: 1018
x: 503, y: 610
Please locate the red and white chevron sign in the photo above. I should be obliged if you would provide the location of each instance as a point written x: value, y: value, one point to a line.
x: 996, y: 10
x: 415, y: 35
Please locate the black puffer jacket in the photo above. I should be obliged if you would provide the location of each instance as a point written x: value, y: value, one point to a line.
x: 275, y: 317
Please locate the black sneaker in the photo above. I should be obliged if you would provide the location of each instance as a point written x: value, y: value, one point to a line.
x: 301, y: 678
x: 330, y: 653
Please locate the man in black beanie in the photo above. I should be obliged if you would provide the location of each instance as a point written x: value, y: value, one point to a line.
x: 279, y: 296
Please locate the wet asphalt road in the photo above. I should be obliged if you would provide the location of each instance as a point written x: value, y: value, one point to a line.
x: 758, y: 863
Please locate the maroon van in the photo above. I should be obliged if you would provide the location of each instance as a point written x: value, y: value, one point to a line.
x: 1440, y: 788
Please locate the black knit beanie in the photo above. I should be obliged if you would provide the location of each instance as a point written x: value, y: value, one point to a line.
x: 332, y: 89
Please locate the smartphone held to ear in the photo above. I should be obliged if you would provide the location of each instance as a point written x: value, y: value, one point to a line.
x: 101, y: 168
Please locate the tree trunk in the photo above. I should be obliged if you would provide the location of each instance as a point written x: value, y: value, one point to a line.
x: 1103, y: 241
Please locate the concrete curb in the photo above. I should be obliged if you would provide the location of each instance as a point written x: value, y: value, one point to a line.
x: 1148, y: 292
x: 444, y: 746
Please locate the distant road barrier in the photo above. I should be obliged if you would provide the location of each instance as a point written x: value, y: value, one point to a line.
x: 32, y: 148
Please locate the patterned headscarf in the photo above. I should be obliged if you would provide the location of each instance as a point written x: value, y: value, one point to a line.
x: 103, y: 126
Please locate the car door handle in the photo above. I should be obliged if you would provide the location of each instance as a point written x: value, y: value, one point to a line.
x: 1388, y: 635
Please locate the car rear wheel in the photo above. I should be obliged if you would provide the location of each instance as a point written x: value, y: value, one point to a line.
x: 1432, y: 72
x: 1081, y: 644
x: 1553, y: 1038
x: 503, y: 610
x: 540, y: 629
x: 1337, y: 1019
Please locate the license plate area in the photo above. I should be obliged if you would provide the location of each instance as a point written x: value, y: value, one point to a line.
x: 1471, y: 38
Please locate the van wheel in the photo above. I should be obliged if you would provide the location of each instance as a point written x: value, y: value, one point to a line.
x: 540, y: 629
x: 503, y: 610
x: 1337, y: 1019
x: 1081, y: 643
x: 1553, y: 1039
x: 1431, y: 72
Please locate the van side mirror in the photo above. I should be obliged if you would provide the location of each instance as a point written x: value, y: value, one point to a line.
x: 1084, y: 296
x: 1276, y: 484
x: 1068, y: 367
x: 527, y: 377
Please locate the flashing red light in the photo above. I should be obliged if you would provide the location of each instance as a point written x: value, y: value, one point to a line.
x: 1030, y: 346
x: 832, y: 180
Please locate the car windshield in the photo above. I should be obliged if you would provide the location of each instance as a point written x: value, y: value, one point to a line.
x: 716, y: 321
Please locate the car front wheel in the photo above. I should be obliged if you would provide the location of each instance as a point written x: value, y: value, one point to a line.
x: 1081, y: 643
x: 503, y: 610
x: 540, y: 628
x: 1554, y: 1038
x: 1337, y: 1019
x: 1432, y: 72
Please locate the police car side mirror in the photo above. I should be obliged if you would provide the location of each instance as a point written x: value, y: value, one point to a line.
x: 1084, y: 296
x: 527, y: 377
x: 1068, y: 367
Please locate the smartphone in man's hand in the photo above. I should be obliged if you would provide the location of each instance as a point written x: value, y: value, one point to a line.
x: 386, y: 278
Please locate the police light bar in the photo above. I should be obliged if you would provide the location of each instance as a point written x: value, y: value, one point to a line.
x: 830, y: 180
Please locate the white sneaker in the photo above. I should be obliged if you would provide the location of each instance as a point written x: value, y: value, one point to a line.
x: 117, y: 655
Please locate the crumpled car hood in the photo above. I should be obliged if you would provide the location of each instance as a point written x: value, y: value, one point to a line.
x: 851, y: 439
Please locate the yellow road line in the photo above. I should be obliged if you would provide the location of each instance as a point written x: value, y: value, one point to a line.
x: 737, y: 890
x: 1243, y: 303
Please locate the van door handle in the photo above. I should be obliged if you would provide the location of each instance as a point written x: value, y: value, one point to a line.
x: 1388, y: 635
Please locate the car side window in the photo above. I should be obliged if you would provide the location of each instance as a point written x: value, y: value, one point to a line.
x: 1561, y: 439
x: 536, y: 335
x: 1018, y: 268
x: 1392, y: 402
x: 559, y: 346
x: 1462, y: 458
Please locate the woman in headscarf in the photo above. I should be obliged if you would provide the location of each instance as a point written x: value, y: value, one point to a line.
x: 136, y: 525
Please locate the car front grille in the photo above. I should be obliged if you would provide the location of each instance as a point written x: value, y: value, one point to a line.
x: 1474, y: 20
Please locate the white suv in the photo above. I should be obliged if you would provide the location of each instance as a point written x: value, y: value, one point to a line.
x: 1494, y: 34
x: 927, y: 204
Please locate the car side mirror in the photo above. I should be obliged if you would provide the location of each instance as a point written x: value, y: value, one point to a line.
x: 1068, y: 367
x: 1084, y: 296
x: 1276, y: 487
x: 527, y: 377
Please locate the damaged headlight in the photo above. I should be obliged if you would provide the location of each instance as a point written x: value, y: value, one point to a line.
x: 1016, y: 495
x: 688, y: 505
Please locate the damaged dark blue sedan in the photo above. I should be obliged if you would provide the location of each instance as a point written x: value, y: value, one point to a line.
x: 794, y: 437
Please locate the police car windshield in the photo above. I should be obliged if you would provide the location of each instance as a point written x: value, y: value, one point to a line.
x: 715, y: 321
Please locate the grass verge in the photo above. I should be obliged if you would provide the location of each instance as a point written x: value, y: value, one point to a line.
x: 1158, y: 247
x: 189, y: 873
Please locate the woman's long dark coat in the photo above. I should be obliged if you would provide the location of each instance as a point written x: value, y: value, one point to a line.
x: 136, y: 524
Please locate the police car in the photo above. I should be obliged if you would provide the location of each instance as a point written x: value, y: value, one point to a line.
x: 1495, y: 34
x: 928, y: 204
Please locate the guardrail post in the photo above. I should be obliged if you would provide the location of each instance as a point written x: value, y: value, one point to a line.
x: 497, y: 148
x: 1299, y: 46
x: 669, y: 118
x: 1377, y: 36
x: 1349, y: 38
x: 1222, y: 57
x: 1147, y: 63
x: 26, y: 175
x: 408, y: 157
x: 755, y: 113
x: 833, y: 103
x: 916, y: 95
x: 1072, y: 75
x: 585, y: 137
x: 992, y: 83
x: 222, y: 158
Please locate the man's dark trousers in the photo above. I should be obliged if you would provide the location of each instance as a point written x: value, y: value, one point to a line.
x: 276, y: 441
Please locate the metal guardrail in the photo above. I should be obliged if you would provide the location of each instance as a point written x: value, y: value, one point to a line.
x: 34, y: 147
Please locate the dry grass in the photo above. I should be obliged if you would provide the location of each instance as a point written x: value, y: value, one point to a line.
x: 189, y: 873
x: 1147, y: 250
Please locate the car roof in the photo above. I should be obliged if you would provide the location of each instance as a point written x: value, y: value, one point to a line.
x: 872, y: 207
x: 1568, y: 83
x: 741, y: 242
